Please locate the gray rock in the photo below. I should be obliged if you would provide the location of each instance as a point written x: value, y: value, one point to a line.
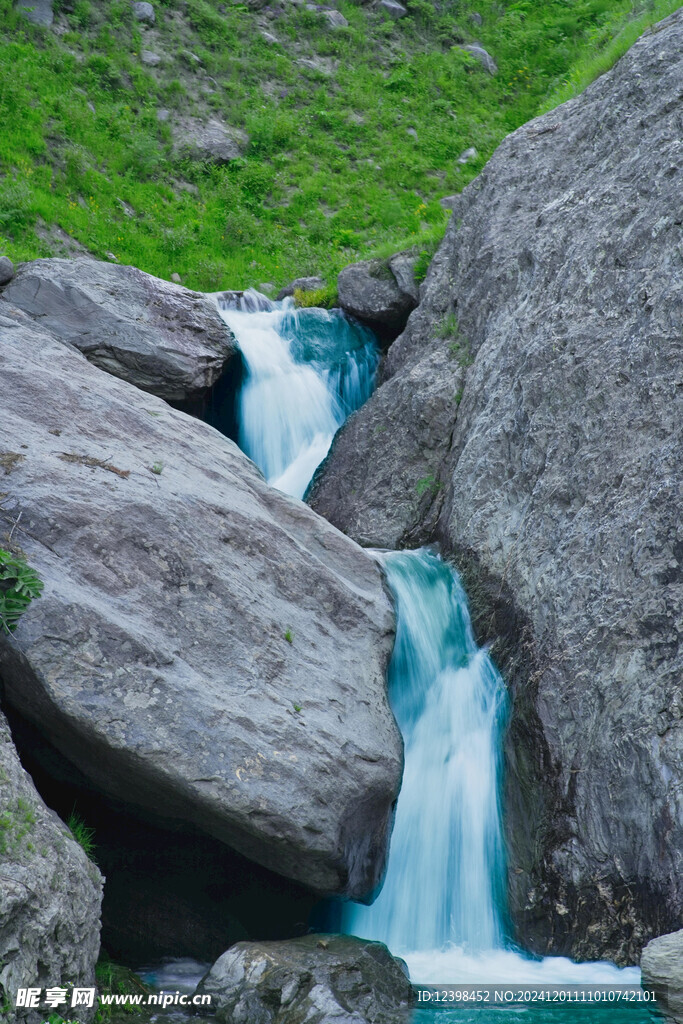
x: 163, y: 115
x: 305, y: 284
x: 467, y: 155
x: 662, y: 967
x: 402, y: 266
x: 370, y: 291
x: 151, y: 59
x: 317, y: 979
x: 393, y: 8
x: 38, y: 11
x: 484, y: 58
x: 163, y: 338
x: 269, y: 37
x: 50, y: 894
x: 144, y: 12
x: 207, y: 650
x: 559, y: 474
x: 476, y: 18
x: 335, y: 19
x: 211, y: 140
x: 6, y: 270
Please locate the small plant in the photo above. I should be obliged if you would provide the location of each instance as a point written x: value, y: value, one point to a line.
x: 297, y: 708
x: 83, y: 835
x: 324, y: 298
x: 288, y: 637
x: 457, y: 397
x: 157, y: 468
x: 19, y: 585
x: 449, y: 327
x: 427, y: 483
x: 422, y: 265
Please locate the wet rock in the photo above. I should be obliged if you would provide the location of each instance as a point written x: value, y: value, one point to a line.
x: 484, y: 58
x: 205, y: 646
x: 160, y: 337
x: 40, y: 12
x: 555, y: 471
x: 6, y: 270
x: 50, y: 894
x: 662, y: 967
x: 317, y: 979
x: 370, y: 291
x: 144, y: 12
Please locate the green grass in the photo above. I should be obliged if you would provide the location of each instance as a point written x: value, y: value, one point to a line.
x: 332, y: 172
x: 83, y: 835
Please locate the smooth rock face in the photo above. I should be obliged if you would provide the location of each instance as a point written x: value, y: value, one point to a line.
x: 318, y: 979
x: 50, y: 893
x: 370, y: 291
x: 6, y: 270
x: 662, y: 967
x: 162, y: 338
x: 393, y: 8
x: 207, y: 649
x: 40, y: 12
x: 558, y: 472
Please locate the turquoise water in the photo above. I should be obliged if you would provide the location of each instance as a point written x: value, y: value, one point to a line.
x: 306, y: 371
x: 542, y: 1014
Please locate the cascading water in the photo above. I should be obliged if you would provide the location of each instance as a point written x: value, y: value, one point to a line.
x: 306, y: 371
x: 442, y: 907
x: 446, y: 869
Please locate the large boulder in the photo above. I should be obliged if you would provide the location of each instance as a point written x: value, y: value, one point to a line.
x: 159, y: 336
x: 662, y: 967
x: 317, y: 979
x: 50, y: 895
x: 207, y: 650
x: 555, y: 472
x: 376, y: 294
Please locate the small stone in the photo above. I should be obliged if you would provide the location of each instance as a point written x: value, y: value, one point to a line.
x: 175, y: 277
x: 163, y: 115
x: 91, y: 107
x: 304, y: 284
x: 144, y: 12
x: 149, y: 58
x: 412, y: 132
x: 476, y: 18
x: 484, y: 58
x: 467, y: 155
x: 335, y: 19
x: 6, y: 270
x: 269, y: 37
x: 110, y: 256
x: 393, y: 8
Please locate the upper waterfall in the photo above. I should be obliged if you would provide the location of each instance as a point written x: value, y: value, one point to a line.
x: 306, y: 371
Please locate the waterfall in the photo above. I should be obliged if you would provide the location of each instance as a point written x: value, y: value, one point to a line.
x: 442, y: 907
x: 446, y: 869
x: 306, y: 371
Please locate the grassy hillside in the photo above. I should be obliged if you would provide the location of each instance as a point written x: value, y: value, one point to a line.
x: 354, y: 132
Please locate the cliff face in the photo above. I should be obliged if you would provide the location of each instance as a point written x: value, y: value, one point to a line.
x: 552, y: 476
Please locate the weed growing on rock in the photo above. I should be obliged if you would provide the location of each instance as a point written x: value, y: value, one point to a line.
x: 83, y: 835
x: 19, y: 585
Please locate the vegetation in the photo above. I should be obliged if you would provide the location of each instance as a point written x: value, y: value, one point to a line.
x: 19, y: 585
x: 16, y: 822
x: 354, y: 133
x: 83, y: 835
x: 115, y: 979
